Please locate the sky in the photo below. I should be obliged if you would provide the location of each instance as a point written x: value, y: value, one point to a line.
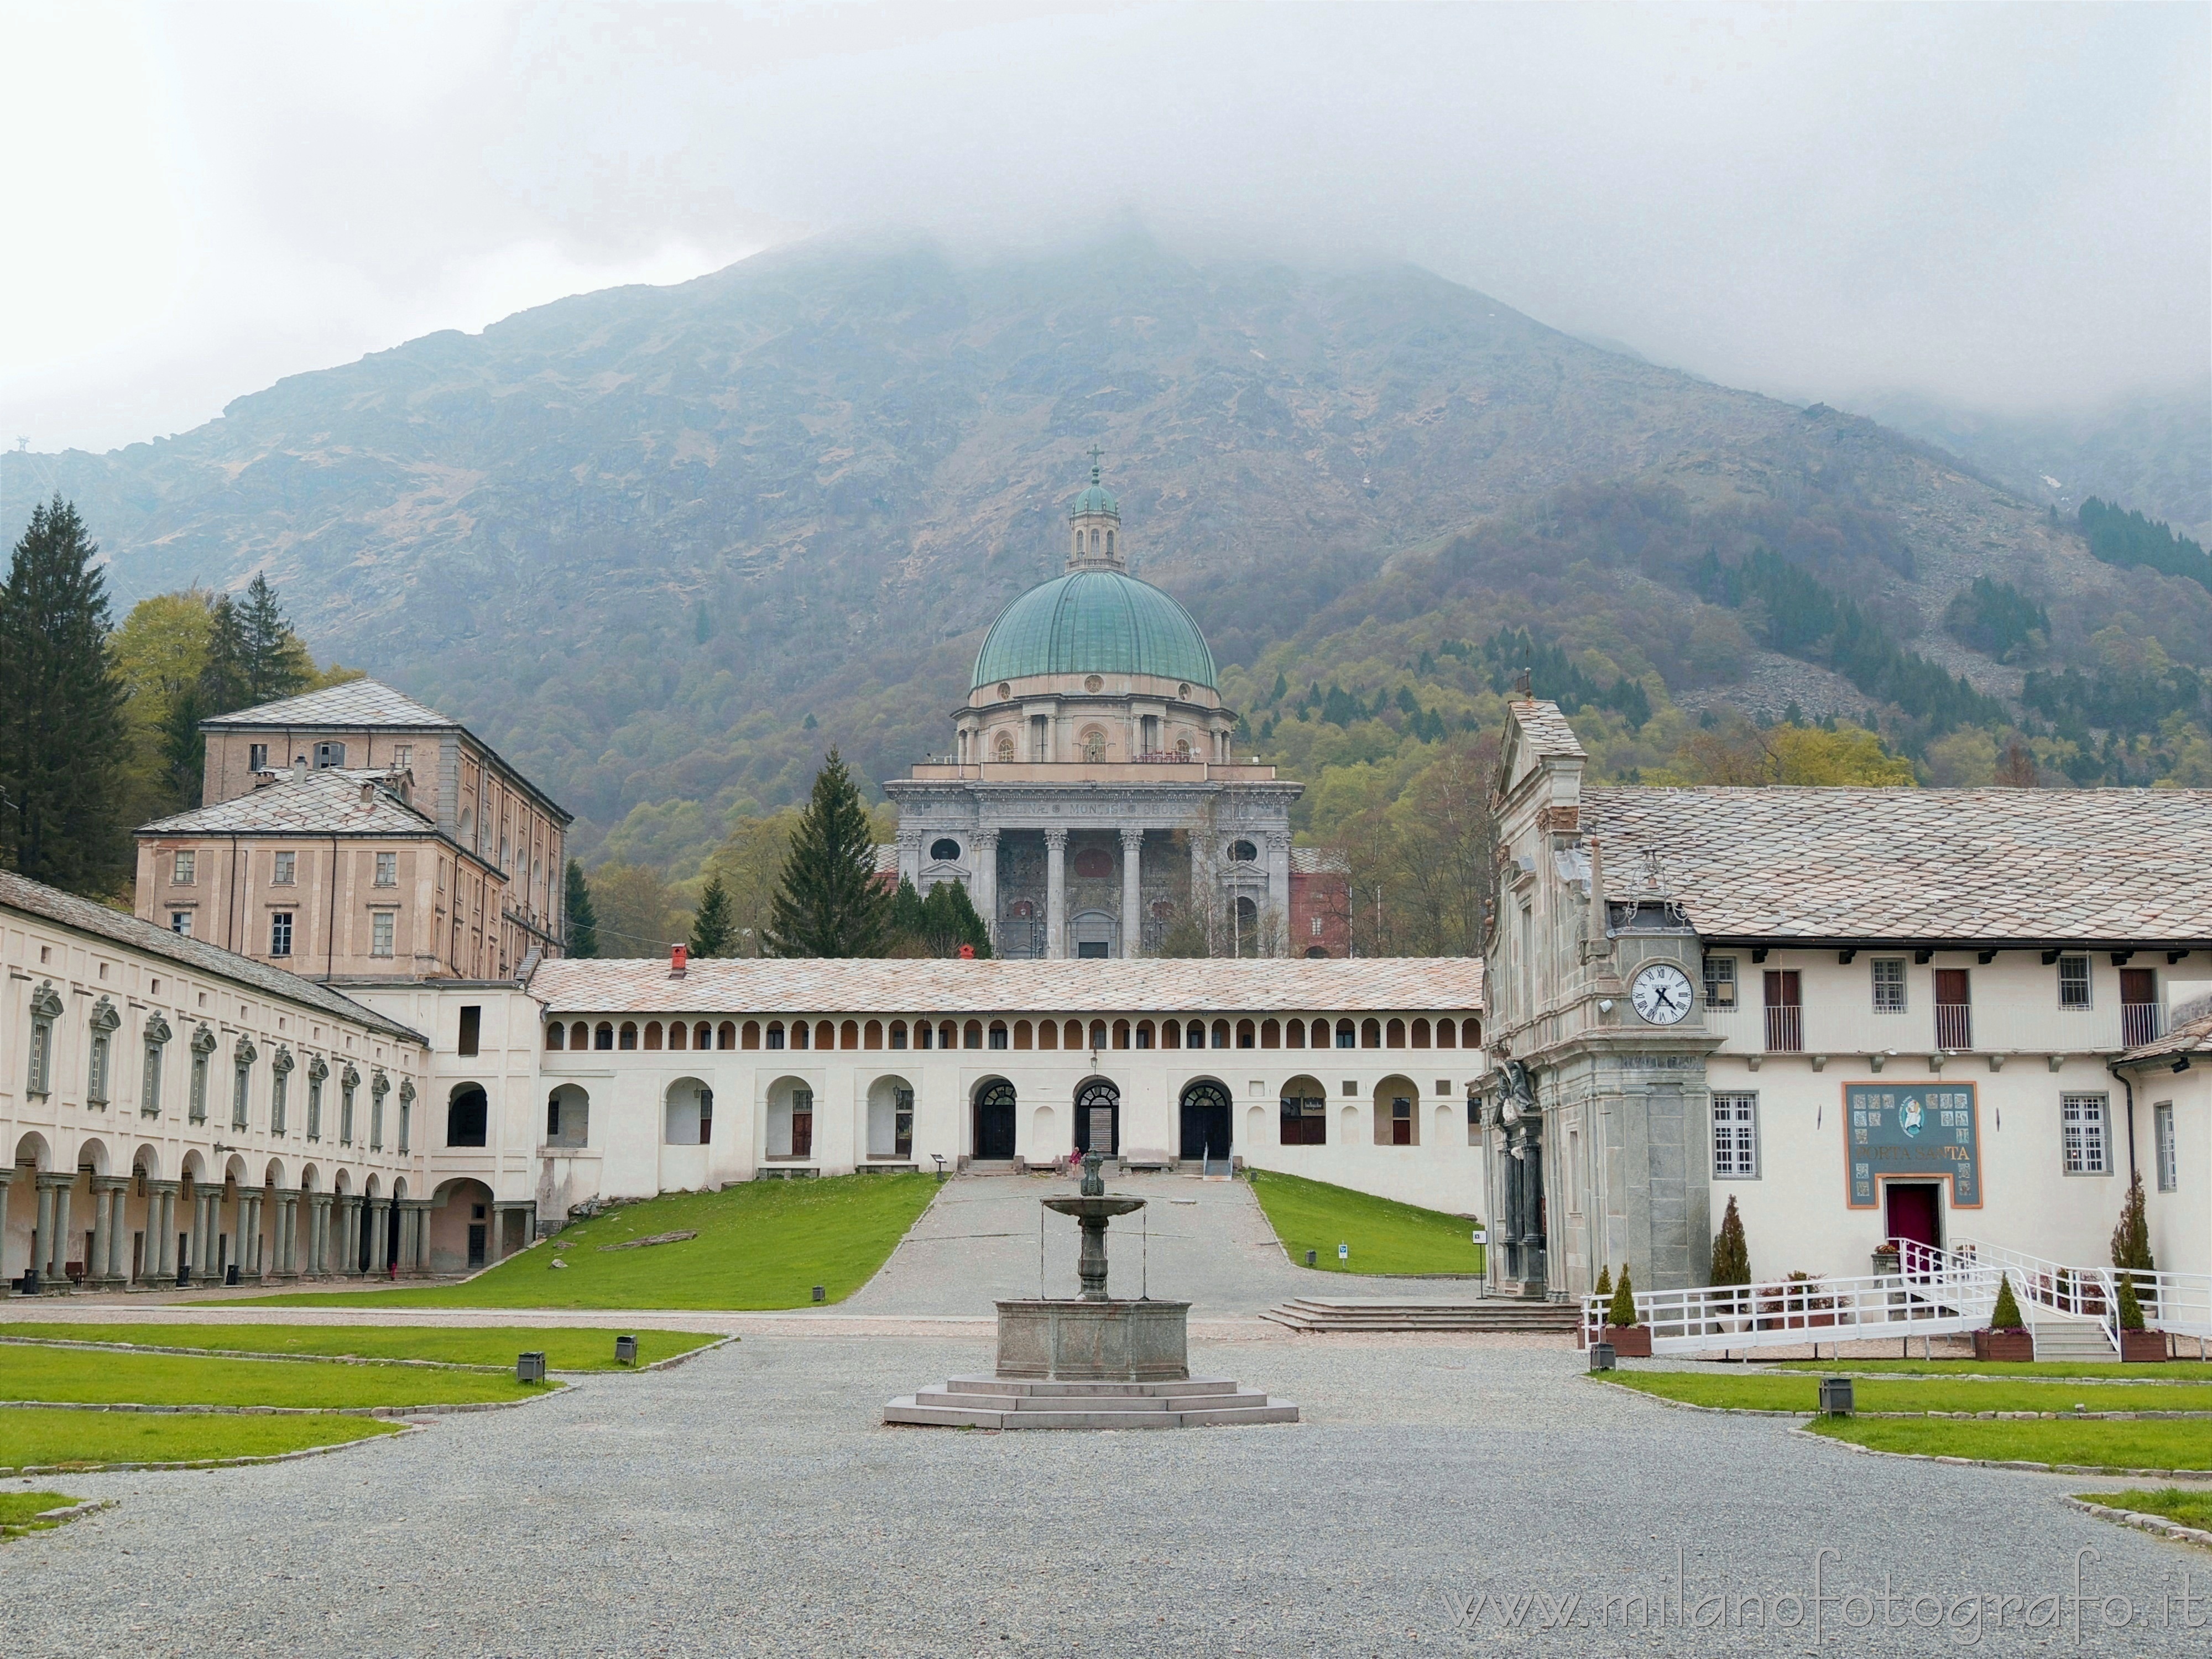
x: 2003, y: 207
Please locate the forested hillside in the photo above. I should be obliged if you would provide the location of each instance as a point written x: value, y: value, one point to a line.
x: 664, y: 546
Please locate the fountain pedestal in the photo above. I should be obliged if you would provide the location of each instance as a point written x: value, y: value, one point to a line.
x: 1080, y: 1339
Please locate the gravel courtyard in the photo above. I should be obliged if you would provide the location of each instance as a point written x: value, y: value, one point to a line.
x: 751, y: 1502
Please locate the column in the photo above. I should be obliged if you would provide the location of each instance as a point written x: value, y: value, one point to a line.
x: 1279, y: 891
x: 161, y: 1230
x: 348, y: 1234
x: 420, y: 1260
x: 319, y: 1234
x: 380, y: 1235
x: 910, y: 856
x: 984, y: 848
x: 42, y: 1227
x: 7, y: 1183
x: 105, y: 1191
x: 1055, y: 893
x: 1133, y: 892
x: 63, y: 1191
x: 118, y: 1236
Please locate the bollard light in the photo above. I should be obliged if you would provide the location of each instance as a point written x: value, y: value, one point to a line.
x: 625, y: 1351
x: 819, y: 1293
x: 1835, y: 1396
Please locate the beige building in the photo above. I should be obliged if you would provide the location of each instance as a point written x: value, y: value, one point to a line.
x: 352, y: 834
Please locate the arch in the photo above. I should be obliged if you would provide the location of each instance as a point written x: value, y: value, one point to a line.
x: 972, y: 1036
x: 1397, y: 1112
x: 603, y: 1036
x: 233, y: 1171
x: 1444, y: 1034
x: 1042, y: 1138
x: 1271, y: 1034
x: 1022, y: 1033
x: 580, y: 1036
x: 373, y: 1189
x: 891, y: 1118
x: 791, y: 1118
x: 458, y: 1226
x: 1098, y: 1111
x: 825, y: 1034
x: 341, y: 1183
x: 945, y: 850
x: 1421, y: 1034
x: 1247, y: 1035
x: 556, y: 1036
x: 751, y: 1037
x: 1171, y: 1034
x: 193, y: 1168
x: 274, y: 1174
x: 898, y: 1034
x: 1346, y: 1034
x: 1207, y: 1123
x: 399, y: 1189
x: 1143, y: 1034
x: 1350, y: 1125
x: 1316, y: 953
x: 569, y: 1116
x: 1098, y: 1041
x: 1048, y: 1033
x: 726, y: 1035
x: 468, y: 1115
x: 995, y: 1102
x: 652, y: 1033
x: 1120, y: 1034
x: 1094, y: 746
x: 872, y: 1035
x: 627, y: 1039
x: 92, y: 1154
x: 310, y: 1179
x: 146, y: 1162
x: 1092, y: 934
x: 1221, y: 1034
x: 1071, y: 1034
x: 1470, y: 1033
x: 679, y: 1035
x: 688, y: 1114
x: 1444, y: 1126
x: 1370, y: 1032
x: 1255, y: 1125
x: 1394, y: 1035
x: 1005, y: 749
x: 1302, y: 1110
x: 1242, y: 851
x: 775, y: 1033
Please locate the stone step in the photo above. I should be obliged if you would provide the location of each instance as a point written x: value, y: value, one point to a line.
x: 963, y: 1399
x: 1103, y: 1414
x: 1317, y: 1314
x: 1059, y: 1388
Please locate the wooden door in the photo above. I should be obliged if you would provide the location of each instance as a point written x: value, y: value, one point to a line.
x: 1785, y: 1030
x: 1954, y: 1014
x: 2138, y: 1005
x: 1915, y: 1212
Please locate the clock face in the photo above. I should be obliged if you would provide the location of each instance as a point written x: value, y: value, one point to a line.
x: 1661, y: 993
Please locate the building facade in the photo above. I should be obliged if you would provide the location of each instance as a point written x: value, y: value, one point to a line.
x: 1864, y: 1015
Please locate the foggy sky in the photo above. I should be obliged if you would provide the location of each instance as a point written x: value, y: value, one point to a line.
x: 2005, y: 207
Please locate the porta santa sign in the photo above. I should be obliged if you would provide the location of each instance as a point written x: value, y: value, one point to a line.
x: 1924, y: 1130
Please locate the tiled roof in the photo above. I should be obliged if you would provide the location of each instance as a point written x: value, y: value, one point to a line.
x: 813, y: 986
x: 324, y: 803
x: 1318, y: 861
x: 35, y: 898
x: 2080, y: 865
x: 2190, y: 1036
x: 1544, y: 729
x: 357, y: 703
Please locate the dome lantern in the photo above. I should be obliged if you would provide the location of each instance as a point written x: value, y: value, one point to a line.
x: 1095, y: 521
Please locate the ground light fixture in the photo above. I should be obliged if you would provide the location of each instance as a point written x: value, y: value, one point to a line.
x: 1835, y: 1396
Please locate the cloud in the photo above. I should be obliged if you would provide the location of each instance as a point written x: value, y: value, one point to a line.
x: 1999, y: 206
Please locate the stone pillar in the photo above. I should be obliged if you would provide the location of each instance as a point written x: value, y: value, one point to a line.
x: 379, y: 1234
x: 65, y: 1190
x: 283, y: 1212
x: 910, y: 856
x: 419, y: 1260
x: 348, y: 1234
x: 160, y: 1261
x: 1279, y: 891
x: 108, y: 1193
x: 42, y: 1225
x: 983, y: 847
x: 1133, y: 892
x: 1055, y: 893
x: 319, y: 1234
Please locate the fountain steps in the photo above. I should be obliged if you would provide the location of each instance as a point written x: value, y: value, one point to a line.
x: 998, y: 1402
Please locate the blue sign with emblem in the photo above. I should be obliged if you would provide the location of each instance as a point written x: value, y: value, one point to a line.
x: 1925, y: 1131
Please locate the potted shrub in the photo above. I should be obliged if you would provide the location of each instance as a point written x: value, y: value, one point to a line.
x: 1807, y: 1303
x: 2008, y: 1338
x: 1630, y: 1340
x: 2137, y: 1346
x: 1602, y: 1293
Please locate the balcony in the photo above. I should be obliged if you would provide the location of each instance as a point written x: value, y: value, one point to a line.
x: 1785, y: 1028
x: 2141, y: 1022
x: 1954, y: 1026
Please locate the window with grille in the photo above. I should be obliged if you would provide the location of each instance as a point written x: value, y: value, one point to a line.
x: 2082, y: 1117
x: 2074, y: 982
x: 241, y: 1085
x: 379, y: 934
x: 182, y: 871
x: 1720, y: 982
x: 2169, y: 1159
x: 1736, y: 1137
x: 1889, y: 986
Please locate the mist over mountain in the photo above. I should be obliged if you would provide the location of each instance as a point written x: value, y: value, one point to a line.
x: 663, y: 545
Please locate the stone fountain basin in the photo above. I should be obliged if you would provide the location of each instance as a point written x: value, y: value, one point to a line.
x: 1094, y: 1207
x: 1072, y: 1339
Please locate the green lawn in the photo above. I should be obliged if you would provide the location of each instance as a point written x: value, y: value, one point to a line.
x: 2092, y: 1444
x: 567, y: 1349
x: 31, y: 1438
x: 1752, y: 1392
x: 18, y: 1511
x: 93, y: 1377
x: 2174, y: 1370
x: 761, y: 1244
x: 1386, y: 1237
x: 2191, y: 1509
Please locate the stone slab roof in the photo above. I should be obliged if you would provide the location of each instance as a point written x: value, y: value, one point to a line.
x: 357, y: 703
x: 812, y: 986
x: 36, y: 899
x: 2190, y: 1035
x: 1544, y: 729
x: 2057, y: 865
x: 324, y: 803
x: 1318, y: 861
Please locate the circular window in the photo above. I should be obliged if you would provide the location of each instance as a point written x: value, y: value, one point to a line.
x: 1004, y: 689
x: 1094, y: 864
x: 944, y: 851
x: 1092, y: 683
x: 1242, y: 851
x: 1182, y: 690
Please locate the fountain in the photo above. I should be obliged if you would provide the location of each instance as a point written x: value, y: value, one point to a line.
x: 1090, y: 1361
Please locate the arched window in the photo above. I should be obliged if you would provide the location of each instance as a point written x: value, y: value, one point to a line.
x: 825, y: 1035
x: 652, y: 1034
x: 1294, y: 1034
x: 1143, y: 1034
x: 1347, y: 1034
x: 1120, y: 1034
x: 750, y: 1038
x: 1078, y: 543
x: 1094, y: 541
x: 1421, y: 1034
x: 467, y: 1113
x: 628, y: 1039
x: 1006, y: 750
x: 679, y: 1034
x: 555, y: 1034
x: 1048, y: 1033
x: 702, y: 1035
x: 1444, y: 1034
x: 1394, y: 1035
x: 945, y: 850
x: 998, y: 1034
x: 1109, y: 542
x: 948, y: 1034
x: 1304, y: 1112
x: 1022, y: 1034
x: 1097, y: 1035
x: 1094, y: 746
x: 1371, y: 1033
x: 1221, y: 1034
x: 1247, y: 1037
x: 1194, y: 1036
x: 1171, y: 1034
x: 1073, y: 1034
x: 1183, y: 748
x: 1242, y: 851
x: 604, y: 1037
x: 848, y: 1035
x: 775, y: 1032
x: 1470, y: 1033
x: 1271, y: 1034
x: 974, y: 1034
x: 872, y: 1035
x: 898, y: 1034
x: 800, y: 1033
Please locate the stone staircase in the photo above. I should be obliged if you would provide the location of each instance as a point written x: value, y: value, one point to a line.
x: 2061, y: 1336
x: 1493, y: 1313
x: 999, y: 1402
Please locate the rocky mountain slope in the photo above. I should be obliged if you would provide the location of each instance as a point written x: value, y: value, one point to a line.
x: 661, y: 546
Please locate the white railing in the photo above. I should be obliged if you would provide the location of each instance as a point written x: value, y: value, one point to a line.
x: 1933, y: 1293
x: 2181, y: 1303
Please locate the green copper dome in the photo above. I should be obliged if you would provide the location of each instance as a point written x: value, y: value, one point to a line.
x: 1094, y: 622
x: 1094, y: 499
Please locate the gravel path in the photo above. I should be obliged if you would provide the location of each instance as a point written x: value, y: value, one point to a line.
x: 751, y: 1502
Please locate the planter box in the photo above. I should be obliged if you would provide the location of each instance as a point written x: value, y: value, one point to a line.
x: 2006, y: 1347
x: 2143, y: 1347
x: 1629, y: 1341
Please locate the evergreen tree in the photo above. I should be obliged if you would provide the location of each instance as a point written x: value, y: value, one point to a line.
x: 904, y: 921
x: 583, y: 916
x: 2131, y: 1238
x: 1622, y: 1312
x: 1604, y: 1283
x: 63, y: 740
x: 829, y: 903
x: 1731, y: 1256
x: 274, y: 663
x: 2005, y: 1316
x: 949, y: 921
x: 225, y: 683
x: 2129, y: 1306
x: 711, y: 927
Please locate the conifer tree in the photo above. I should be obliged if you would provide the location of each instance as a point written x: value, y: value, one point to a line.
x: 1604, y: 1283
x: 2005, y: 1316
x: 275, y: 663
x: 583, y: 916
x: 829, y: 903
x: 1622, y: 1312
x: 711, y: 927
x: 63, y: 740
x: 949, y: 921
x: 1731, y: 1256
x: 2131, y: 1238
x: 905, y: 919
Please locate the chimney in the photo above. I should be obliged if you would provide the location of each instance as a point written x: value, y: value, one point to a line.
x: 679, y: 958
x: 367, y: 792
x: 299, y: 769
x: 967, y: 953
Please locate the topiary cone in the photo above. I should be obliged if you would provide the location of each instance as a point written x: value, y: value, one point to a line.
x: 2005, y: 1317
x: 1604, y: 1281
x: 1622, y: 1313
x: 2132, y: 1317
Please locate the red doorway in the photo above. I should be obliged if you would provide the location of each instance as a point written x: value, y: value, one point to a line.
x: 1914, y: 1210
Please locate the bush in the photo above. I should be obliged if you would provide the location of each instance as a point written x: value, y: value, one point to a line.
x: 2005, y: 1317
x: 2132, y: 1317
x: 1622, y: 1313
x: 1731, y: 1256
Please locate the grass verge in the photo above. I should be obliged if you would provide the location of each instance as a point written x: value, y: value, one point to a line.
x: 2090, y: 1444
x: 760, y: 1244
x: 1385, y: 1235
x: 2190, y: 1509
x: 565, y: 1349
x: 2174, y: 1370
x: 88, y: 1377
x: 20, y: 1511
x: 1801, y: 1394
x: 32, y: 1438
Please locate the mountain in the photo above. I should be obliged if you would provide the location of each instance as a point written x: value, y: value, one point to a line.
x: 661, y: 546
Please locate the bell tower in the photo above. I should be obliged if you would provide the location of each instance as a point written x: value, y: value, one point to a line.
x: 1095, y: 523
